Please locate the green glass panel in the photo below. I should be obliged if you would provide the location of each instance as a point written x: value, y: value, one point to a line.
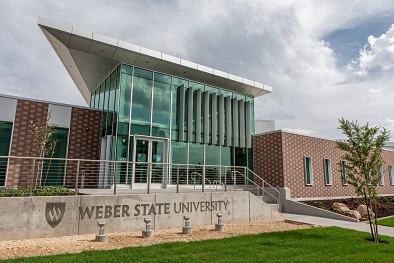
x: 251, y: 100
x: 53, y: 170
x: 240, y: 157
x: 141, y: 104
x: 160, y: 132
x: 176, y: 83
x: 196, y: 153
x: 139, y: 129
x: 97, y: 98
x: 127, y: 69
x: 101, y: 96
x: 5, y: 139
x: 225, y: 156
x: 212, y: 155
x: 250, y: 158
x: 178, y: 156
x: 121, y: 155
x: 125, y: 96
x: 161, y: 106
x: 141, y: 152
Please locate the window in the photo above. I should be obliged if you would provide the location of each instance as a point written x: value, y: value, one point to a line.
x: 391, y: 175
x: 381, y: 175
x: 308, y: 170
x: 344, y: 173
x: 327, y: 172
x: 5, y: 139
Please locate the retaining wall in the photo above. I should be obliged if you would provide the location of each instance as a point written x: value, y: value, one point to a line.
x: 35, y: 217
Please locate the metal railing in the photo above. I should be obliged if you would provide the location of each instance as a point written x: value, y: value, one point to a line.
x: 117, y: 177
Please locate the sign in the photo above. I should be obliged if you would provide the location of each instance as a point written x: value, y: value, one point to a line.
x: 54, y: 213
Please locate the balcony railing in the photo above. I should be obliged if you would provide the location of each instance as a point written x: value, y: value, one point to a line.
x: 119, y: 177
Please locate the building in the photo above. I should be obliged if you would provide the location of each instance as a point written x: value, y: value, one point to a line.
x: 309, y: 166
x: 155, y: 108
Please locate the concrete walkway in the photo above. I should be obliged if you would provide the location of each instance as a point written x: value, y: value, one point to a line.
x: 361, y: 226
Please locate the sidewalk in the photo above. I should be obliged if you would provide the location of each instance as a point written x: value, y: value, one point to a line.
x: 362, y: 226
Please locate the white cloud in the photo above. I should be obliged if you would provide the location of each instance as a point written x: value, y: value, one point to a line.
x: 276, y: 43
x: 378, y: 54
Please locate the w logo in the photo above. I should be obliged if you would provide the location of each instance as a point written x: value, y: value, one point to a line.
x: 54, y: 213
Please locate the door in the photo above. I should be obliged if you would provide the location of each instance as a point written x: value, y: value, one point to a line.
x: 150, y: 157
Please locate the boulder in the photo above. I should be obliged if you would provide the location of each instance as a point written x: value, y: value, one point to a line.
x: 362, y: 209
x: 353, y: 214
x: 340, y: 207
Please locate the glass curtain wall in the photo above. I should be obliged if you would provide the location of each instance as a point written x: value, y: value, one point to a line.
x: 5, y: 140
x: 137, y: 101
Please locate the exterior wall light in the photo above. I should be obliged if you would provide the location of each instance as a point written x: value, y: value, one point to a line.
x: 187, y: 228
x: 101, y: 237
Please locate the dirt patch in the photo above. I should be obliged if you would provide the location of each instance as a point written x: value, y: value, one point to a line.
x: 386, y: 204
x: 75, y: 244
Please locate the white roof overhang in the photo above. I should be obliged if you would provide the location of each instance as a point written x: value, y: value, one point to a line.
x: 90, y: 57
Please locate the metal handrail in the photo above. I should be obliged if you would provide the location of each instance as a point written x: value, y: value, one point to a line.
x: 81, y: 173
x: 194, y: 179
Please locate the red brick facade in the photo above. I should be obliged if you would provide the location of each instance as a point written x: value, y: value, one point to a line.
x: 22, y: 139
x: 279, y: 159
x: 84, y: 143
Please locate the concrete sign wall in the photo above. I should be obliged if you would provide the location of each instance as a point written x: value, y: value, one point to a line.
x: 33, y: 217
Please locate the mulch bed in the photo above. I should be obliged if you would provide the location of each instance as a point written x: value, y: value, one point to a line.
x: 386, y: 204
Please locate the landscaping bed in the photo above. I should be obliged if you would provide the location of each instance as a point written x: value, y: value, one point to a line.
x: 39, y: 191
x: 386, y: 204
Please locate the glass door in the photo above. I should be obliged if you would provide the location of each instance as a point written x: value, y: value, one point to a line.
x: 151, y: 158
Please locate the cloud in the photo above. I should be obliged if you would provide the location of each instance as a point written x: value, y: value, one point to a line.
x: 377, y: 56
x: 277, y: 43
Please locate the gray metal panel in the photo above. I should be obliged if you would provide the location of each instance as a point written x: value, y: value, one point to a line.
x: 261, y: 126
x: 248, y: 130
x: 190, y: 115
x: 181, y: 109
x: 235, y: 123
x: 8, y: 109
x: 229, y: 133
x: 60, y: 115
x: 198, y: 116
x: 221, y: 119
x: 214, y: 118
x: 206, y: 117
x: 241, y: 115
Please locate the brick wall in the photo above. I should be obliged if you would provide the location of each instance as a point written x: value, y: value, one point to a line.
x: 268, y: 159
x: 279, y: 159
x: 84, y: 143
x: 22, y: 140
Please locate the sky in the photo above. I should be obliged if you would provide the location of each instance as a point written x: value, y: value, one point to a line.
x: 324, y: 59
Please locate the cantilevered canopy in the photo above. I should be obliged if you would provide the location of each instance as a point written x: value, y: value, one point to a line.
x: 89, y: 58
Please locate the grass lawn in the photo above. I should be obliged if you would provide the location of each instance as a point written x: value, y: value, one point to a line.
x: 330, y: 244
x: 386, y: 222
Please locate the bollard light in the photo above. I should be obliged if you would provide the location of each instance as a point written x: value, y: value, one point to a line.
x: 147, y: 232
x: 101, y: 237
x: 147, y: 223
x: 219, y: 226
x: 187, y: 228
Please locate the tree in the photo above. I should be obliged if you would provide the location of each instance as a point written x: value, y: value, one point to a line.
x: 363, y: 159
x: 42, y: 145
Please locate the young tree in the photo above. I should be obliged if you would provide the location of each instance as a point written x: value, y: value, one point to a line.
x: 363, y: 155
x: 42, y: 145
